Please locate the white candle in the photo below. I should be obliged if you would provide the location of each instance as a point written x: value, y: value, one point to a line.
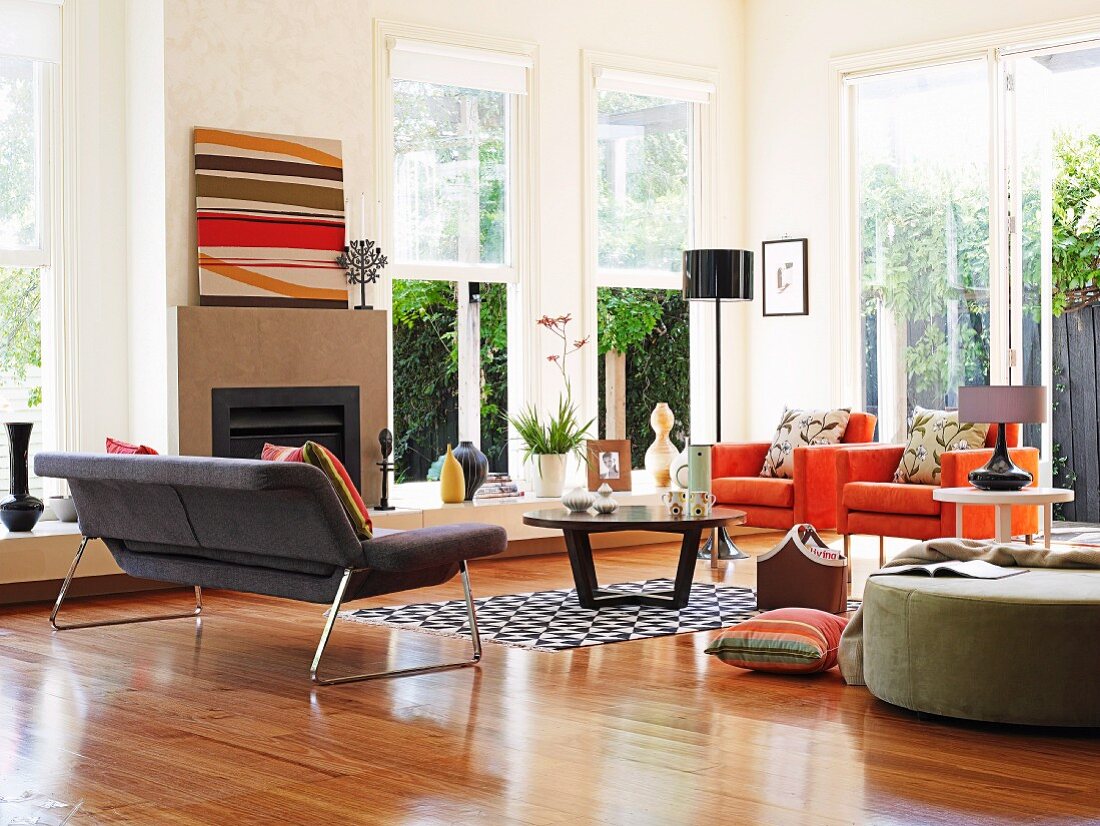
x: 362, y: 215
x: 347, y: 222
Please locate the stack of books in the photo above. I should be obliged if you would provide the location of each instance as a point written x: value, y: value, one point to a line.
x: 498, y: 486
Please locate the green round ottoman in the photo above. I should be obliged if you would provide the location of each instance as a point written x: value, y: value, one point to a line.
x: 1025, y: 649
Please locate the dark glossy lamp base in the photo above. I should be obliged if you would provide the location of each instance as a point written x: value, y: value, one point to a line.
x: 1000, y: 473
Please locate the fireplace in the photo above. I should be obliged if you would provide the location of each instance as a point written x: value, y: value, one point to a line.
x: 244, y: 418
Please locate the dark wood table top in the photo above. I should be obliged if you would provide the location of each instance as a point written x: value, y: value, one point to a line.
x: 632, y: 518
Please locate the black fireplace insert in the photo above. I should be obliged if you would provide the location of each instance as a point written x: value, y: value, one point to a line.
x: 244, y: 418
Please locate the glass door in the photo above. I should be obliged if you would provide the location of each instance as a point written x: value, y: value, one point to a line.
x: 922, y: 177
x: 1052, y: 139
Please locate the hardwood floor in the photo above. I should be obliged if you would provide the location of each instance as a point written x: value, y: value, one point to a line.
x: 215, y: 722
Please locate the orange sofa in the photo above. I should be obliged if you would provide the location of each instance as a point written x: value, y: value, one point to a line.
x: 868, y: 501
x: 810, y: 496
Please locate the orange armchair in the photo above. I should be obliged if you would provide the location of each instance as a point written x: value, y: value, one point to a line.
x: 868, y: 501
x: 810, y: 496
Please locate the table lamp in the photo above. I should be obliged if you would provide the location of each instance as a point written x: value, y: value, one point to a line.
x: 1026, y: 404
x: 718, y: 275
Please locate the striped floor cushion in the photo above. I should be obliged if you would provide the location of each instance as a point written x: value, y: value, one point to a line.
x: 785, y: 641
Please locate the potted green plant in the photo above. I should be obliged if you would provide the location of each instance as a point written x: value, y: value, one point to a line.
x: 548, y: 442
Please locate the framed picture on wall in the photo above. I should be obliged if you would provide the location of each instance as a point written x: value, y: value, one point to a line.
x: 609, y: 461
x: 786, y: 281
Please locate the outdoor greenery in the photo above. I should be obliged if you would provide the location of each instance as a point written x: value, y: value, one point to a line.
x: 425, y: 370
x: 1076, y: 217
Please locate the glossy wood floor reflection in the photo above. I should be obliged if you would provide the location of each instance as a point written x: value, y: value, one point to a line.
x: 216, y: 723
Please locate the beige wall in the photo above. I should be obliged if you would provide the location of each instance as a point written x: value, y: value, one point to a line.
x: 305, y: 68
x: 788, y: 47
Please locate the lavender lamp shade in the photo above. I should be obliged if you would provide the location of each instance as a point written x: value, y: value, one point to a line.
x: 1020, y: 403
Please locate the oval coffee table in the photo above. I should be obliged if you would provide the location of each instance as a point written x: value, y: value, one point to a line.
x: 578, y: 527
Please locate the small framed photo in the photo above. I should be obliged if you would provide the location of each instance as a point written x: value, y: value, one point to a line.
x: 786, y: 281
x: 609, y: 462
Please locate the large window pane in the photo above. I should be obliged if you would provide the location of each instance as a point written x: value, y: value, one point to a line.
x: 426, y: 381
x: 922, y: 142
x: 21, y: 383
x: 20, y: 172
x: 645, y: 199
x: 450, y: 174
x: 644, y: 338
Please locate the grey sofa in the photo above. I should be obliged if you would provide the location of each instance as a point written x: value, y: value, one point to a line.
x: 269, y: 528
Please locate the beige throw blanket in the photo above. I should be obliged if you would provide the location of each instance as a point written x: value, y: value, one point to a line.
x: 942, y: 550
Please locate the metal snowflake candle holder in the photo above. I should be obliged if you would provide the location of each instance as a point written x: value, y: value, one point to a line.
x: 364, y: 263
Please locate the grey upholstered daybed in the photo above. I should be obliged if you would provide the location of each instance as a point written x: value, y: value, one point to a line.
x: 269, y: 528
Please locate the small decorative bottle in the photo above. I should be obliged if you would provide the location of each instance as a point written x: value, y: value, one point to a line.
x: 578, y: 500
x: 604, y: 503
x: 452, y: 482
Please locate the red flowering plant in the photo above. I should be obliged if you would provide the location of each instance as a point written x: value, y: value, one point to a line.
x: 562, y: 432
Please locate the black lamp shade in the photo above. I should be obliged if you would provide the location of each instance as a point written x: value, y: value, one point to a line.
x: 723, y: 275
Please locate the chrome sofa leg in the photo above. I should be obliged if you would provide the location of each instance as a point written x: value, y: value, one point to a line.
x: 68, y: 581
x: 471, y: 612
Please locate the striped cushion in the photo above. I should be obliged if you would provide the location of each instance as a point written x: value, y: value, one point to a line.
x: 786, y: 641
x: 325, y: 460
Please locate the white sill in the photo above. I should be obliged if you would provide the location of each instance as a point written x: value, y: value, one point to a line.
x: 425, y: 495
x: 45, y: 528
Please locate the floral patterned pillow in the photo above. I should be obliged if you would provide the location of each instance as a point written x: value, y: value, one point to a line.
x: 931, y: 433
x: 802, y: 428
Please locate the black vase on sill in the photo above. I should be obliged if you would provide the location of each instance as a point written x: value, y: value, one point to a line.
x: 475, y: 467
x: 20, y: 511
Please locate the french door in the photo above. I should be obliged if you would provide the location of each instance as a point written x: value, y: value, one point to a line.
x: 975, y: 221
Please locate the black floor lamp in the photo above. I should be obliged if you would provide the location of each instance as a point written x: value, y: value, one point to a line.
x: 717, y: 276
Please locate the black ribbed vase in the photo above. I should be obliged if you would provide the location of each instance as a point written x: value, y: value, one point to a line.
x: 475, y: 467
x: 20, y: 511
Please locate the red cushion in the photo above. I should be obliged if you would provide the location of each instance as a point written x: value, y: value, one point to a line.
x: 891, y: 497
x: 785, y: 641
x: 754, y: 490
x: 127, y: 449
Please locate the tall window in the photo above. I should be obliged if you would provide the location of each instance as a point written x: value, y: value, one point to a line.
x: 29, y: 44
x: 921, y: 142
x: 648, y: 161
x: 453, y: 226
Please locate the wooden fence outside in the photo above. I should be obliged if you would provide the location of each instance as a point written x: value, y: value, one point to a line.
x: 1076, y: 430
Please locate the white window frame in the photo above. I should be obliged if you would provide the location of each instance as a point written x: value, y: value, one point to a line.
x: 684, y: 82
x: 521, y: 273
x: 55, y: 256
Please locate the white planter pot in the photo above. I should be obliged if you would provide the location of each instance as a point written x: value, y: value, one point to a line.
x: 549, y: 475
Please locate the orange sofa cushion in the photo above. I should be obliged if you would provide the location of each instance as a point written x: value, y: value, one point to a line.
x: 889, y: 497
x: 754, y: 490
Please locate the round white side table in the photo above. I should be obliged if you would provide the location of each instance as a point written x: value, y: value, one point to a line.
x: 1003, y: 502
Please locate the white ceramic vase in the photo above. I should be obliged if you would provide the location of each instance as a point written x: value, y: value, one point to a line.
x: 578, y: 500
x: 678, y: 471
x: 605, y: 503
x: 549, y: 475
x: 661, y: 453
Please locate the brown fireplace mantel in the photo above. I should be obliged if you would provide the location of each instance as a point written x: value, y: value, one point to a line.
x: 270, y: 347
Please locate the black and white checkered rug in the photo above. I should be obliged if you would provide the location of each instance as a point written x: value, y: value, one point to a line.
x: 555, y: 621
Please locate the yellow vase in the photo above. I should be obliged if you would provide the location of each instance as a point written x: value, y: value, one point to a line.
x: 452, y: 482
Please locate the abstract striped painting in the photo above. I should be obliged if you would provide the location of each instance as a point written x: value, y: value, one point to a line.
x: 270, y: 214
